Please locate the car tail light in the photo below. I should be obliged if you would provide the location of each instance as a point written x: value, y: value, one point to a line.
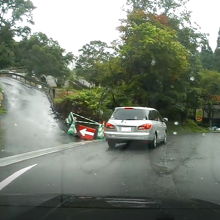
x: 145, y: 127
x: 109, y: 126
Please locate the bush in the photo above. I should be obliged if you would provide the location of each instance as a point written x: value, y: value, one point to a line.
x: 91, y: 103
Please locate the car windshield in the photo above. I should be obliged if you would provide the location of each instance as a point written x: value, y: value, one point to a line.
x: 109, y: 98
x: 129, y: 114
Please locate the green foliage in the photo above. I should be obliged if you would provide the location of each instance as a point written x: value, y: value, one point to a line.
x: 36, y: 54
x: 91, y: 56
x: 207, y: 57
x: 167, y: 7
x: 12, y: 14
x: 210, y: 82
x: 217, y: 60
x: 154, y: 61
x: 43, y: 56
x: 188, y: 126
x: 91, y: 103
x: 2, y: 109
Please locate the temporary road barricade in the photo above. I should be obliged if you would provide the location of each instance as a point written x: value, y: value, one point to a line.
x: 81, y: 127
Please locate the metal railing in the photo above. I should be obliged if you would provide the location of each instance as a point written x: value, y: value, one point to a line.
x: 27, y: 80
x: 31, y: 82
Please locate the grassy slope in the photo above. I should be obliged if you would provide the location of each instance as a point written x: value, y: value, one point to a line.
x: 2, y: 110
x: 189, y: 126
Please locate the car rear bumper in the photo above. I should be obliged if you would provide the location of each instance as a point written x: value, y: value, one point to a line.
x: 129, y: 136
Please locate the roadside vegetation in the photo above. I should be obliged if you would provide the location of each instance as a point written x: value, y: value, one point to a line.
x: 2, y: 109
x: 188, y: 126
x: 161, y: 60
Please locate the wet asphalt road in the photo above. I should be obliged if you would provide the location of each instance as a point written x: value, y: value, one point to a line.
x: 29, y: 123
x: 187, y: 167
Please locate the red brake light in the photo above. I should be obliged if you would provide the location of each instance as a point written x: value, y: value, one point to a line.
x: 145, y: 127
x: 109, y: 126
x: 128, y: 108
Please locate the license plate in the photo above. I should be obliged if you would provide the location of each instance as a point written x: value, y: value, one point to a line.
x: 126, y: 129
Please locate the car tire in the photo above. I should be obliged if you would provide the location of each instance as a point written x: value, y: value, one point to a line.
x: 153, y: 143
x: 165, y: 139
x: 111, y: 144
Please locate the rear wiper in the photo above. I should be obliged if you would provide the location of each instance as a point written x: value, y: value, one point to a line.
x: 133, y: 119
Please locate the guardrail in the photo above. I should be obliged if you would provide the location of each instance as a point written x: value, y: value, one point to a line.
x: 31, y: 82
x: 28, y: 80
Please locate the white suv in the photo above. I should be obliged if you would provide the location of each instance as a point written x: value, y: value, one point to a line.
x: 136, y: 123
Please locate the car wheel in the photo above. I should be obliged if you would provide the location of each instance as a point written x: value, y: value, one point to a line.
x: 153, y: 144
x: 165, y: 139
x: 111, y: 144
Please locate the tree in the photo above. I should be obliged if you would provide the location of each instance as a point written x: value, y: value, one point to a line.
x: 6, y: 47
x: 91, y: 56
x: 41, y: 55
x: 12, y: 13
x: 173, y: 15
x: 207, y: 57
x: 170, y: 8
x: 217, y: 54
x: 210, y: 84
x: 156, y: 64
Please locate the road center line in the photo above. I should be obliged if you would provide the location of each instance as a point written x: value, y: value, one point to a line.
x: 15, y: 175
x: 5, y: 161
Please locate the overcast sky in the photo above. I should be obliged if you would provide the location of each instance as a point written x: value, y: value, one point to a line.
x: 74, y: 23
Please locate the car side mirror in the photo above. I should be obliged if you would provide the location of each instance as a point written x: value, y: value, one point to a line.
x: 165, y: 119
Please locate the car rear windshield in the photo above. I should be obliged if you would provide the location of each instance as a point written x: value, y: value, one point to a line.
x: 129, y: 114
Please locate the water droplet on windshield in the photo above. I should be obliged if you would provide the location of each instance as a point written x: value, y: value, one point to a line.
x: 153, y: 62
x: 176, y: 123
x: 192, y: 78
x: 175, y: 133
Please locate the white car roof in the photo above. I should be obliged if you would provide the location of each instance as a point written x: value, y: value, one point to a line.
x: 145, y: 108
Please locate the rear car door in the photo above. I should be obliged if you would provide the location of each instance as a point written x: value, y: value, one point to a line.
x: 161, y: 126
x: 152, y: 117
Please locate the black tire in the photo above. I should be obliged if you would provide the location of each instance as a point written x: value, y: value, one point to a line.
x: 111, y: 144
x: 154, y: 143
x: 165, y: 139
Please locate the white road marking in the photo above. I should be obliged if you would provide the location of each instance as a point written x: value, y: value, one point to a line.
x: 5, y: 161
x: 15, y: 175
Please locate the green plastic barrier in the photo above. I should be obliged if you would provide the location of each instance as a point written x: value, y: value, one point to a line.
x: 71, y: 120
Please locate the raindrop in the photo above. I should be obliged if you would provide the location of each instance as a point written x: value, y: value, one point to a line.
x: 15, y: 124
x: 203, y: 134
x: 176, y: 123
x: 175, y: 133
x: 153, y: 62
x: 192, y: 78
x: 39, y: 87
